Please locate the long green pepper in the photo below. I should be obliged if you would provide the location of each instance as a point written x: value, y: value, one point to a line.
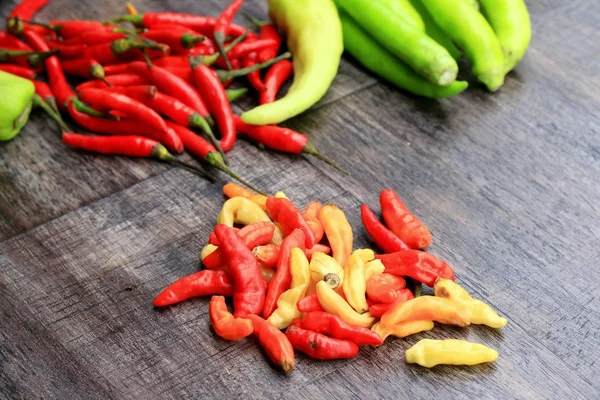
x: 377, y: 59
x: 434, y: 31
x: 16, y: 102
x: 314, y: 37
x: 428, y: 58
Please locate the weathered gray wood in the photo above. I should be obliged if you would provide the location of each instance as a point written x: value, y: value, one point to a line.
x: 507, y: 182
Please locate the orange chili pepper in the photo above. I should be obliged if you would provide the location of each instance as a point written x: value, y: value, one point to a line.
x: 276, y: 344
x: 338, y: 232
x: 225, y: 324
x: 428, y: 308
x: 233, y: 190
x: 311, y: 215
x: 131, y: 10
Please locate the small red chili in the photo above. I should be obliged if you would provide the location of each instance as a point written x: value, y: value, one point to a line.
x: 222, y: 27
x: 319, y: 346
x: 377, y: 310
x: 290, y: 218
x: 402, y: 222
x: 225, y: 324
x: 419, y: 265
x: 27, y: 9
x: 274, y: 79
x: 382, y: 236
x: 203, y: 283
x: 276, y: 344
x: 115, y: 80
x: 179, y: 42
x: 385, y: 288
x: 309, y: 304
x: 332, y: 325
x: 84, y: 68
x: 23, y: 72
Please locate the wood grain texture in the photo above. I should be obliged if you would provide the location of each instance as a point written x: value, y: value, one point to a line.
x: 507, y: 183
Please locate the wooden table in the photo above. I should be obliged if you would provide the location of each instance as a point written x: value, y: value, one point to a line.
x: 507, y: 183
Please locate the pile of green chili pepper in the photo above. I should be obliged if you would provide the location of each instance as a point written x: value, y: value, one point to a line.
x: 415, y: 44
x: 156, y: 84
x: 297, y: 283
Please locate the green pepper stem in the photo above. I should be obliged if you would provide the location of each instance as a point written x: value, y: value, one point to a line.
x: 84, y: 108
x: 234, y: 94
x: 39, y: 102
x: 160, y: 152
x: 200, y: 122
x: 211, y: 59
x: 309, y: 148
x: 134, y: 19
x: 224, y: 76
x: 215, y: 159
x: 220, y: 40
x: 258, y: 23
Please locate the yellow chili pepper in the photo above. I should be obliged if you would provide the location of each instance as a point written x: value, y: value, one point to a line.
x: 479, y: 312
x: 206, y: 250
x: 260, y: 200
x: 427, y: 308
x: 286, y: 310
x: 280, y: 195
x: 338, y: 232
x: 365, y: 255
x: 430, y: 353
x: 323, y: 267
x: 232, y: 189
x: 355, y: 286
x: 241, y: 210
x: 335, y: 304
x: 402, y: 329
x: 131, y: 9
x: 372, y: 268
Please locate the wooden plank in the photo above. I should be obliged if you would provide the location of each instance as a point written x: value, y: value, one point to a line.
x: 36, y: 169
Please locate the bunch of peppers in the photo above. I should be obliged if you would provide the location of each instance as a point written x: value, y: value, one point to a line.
x: 154, y: 82
x: 415, y: 44
x: 297, y: 283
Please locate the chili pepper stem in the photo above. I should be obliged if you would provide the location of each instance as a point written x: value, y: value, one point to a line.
x: 134, y: 19
x: 309, y: 148
x: 216, y: 161
x: 39, y: 102
x: 201, y: 123
x: 160, y: 152
x: 224, y: 76
x: 84, y: 108
x: 147, y: 59
x: 211, y: 59
x: 258, y: 23
x: 106, y: 82
x: 219, y: 40
x: 234, y: 94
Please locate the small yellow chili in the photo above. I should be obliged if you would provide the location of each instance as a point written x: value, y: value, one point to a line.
x: 286, y: 309
x: 372, y: 268
x: 338, y: 232
x: 479, y: 312
x: 280, y: 195
x: 242, y: 211
x: 430, y: 353
x: 206, y: 250
x: 427, y: 308
x: 260, y: 200
x: 354, y: 283
x: 322, y: 265
x: 402, y: 329
x: 335, y: 304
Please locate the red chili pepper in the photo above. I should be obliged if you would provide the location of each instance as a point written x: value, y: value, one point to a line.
x: 222, y: 27
x: 419, y: 265
x: 125, y: 127
x: 84, y: 68
x: 203, y: 283
x: 333, y: 326
x: 44, y: 91
x: 173, y: 61
x: 402, y: 222
x: 132, y: 108
x: 172, y: 85
x: 94, y: 37
x: 252, y: 236
x: 283, y: 277
x: 71, y: 52
x: 142, y: 93
x: 309, y: 304
x: 212, y: 237
x: 382, y: 236
x: 225, y: 324
x: 289, y: 217
x: 56, y: 77
x: 23, y: 72
x: 267, y: 31
x: 251, y: 60
x: 109, y: 52
x: 267, y: 255
x: 178, y: 42
x: 274, y: 79
x: 27, y: 9
x: 247, y: 47
x: 196, y: 145
x: 385, y: 288
x: 198, y: 23
x: 116, y: 69
x: 213, y: 92
x: 311, y: 216
x: 73, y: 28
x: 116, y: 80
x: 377, y: 310
x: 282, y: 139
x: 321, y: 248
x: 276, y: 344
x: 319, y: 346
x: 10, y: 42
x: 249, y: 287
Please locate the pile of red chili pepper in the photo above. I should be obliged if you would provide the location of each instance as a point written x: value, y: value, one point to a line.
x: 153, y: 82
x: 296, y: 271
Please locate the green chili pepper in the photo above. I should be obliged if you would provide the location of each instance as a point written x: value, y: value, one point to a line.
x: 404, y: 9
x: 468, y: 28
x: 510, y: 20
x: 434, y: 31
x: 414, y: 47
x: 376, y: 58
x: 314, y: 37
x: 16, y: 99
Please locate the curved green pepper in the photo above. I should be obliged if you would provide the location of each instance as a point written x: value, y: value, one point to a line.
x: 314, y: 36
x: 376, y: 58
x: 16, y: 101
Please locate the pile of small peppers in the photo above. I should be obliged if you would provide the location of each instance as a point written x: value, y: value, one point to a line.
x: 152, y: 83
x: 297, y: 283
